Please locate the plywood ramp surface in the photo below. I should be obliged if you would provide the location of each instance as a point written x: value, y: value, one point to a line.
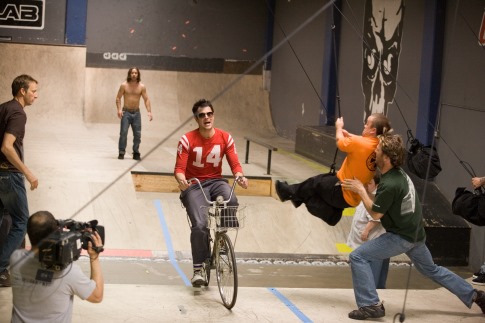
x: 166, y: 183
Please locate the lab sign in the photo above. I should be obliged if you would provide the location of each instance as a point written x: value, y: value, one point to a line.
x: 22, y: 14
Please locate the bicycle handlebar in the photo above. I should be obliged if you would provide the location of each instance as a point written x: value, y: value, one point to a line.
x: 219, y: 200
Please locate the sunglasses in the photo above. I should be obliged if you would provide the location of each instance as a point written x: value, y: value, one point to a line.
x: 202, y: 115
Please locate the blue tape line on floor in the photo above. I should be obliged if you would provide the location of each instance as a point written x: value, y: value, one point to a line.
x: 168, y: 242
x: 290, y: 305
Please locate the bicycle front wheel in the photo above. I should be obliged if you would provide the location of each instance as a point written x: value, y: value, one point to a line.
x: 226, y: 270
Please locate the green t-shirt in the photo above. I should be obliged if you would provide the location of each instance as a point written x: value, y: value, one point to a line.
x: 396, y: 198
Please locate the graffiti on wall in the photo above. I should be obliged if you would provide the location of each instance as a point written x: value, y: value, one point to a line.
x: 481, y: 33
x: 383, y: 28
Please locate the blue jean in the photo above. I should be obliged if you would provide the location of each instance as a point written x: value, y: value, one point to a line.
x: 13, y: 199
x: 380, y: 269
x: 389, y: 245
x: 192, y: 199
x: 133, y: 119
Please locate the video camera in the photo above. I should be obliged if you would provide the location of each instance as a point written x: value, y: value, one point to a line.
x: 64, y: 245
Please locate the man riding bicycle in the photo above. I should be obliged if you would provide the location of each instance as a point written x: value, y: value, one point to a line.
x: 199, y: 154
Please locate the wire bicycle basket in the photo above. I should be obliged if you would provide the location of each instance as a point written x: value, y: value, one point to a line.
x: 225, y: 218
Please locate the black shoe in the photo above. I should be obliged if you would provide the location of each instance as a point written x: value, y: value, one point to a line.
x: 480, y: 300
x: 478, y: 273
x: 136, y: 156
x: 283, y: 191
x: 373, y: 311
x: 5, y: 279
x: 480, y: 280
x: 121, y: 156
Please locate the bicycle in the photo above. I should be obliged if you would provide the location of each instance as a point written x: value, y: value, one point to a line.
x: 222, y: 218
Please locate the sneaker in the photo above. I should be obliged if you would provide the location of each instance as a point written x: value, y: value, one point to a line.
x: 480, y: 300
x: 478, y: 273
x: 284, y: 193
x: 121, y: 156
x: 136, y: 156
x: 480, y: 280
x: 198, y: 280
x: 5, y: 279
x: 372, y: 311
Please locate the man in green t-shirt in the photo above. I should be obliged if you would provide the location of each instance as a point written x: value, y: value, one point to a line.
x: 397, y: 205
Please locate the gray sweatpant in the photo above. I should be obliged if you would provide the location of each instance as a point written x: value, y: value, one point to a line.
x: 192, y: 199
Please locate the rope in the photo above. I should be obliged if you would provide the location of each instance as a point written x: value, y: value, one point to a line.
x: 337, y: 93
x: 333, y: 165
x: 297, y: 58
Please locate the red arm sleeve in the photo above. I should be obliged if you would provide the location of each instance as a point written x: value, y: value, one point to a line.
x: 182, y: 155
x: 232, y: 157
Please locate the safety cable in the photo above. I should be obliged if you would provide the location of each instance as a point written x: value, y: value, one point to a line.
x: 337, y: 92
x: 333, y: 165
x: 471, y: 29
x: 296, y: 56
x: 464, y: 164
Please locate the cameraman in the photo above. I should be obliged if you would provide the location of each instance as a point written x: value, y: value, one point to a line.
x: 43, y: 295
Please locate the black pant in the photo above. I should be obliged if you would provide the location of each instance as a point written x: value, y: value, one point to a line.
x: 323, y: 197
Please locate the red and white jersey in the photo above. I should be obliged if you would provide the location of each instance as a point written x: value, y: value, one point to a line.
x: 202, y: 158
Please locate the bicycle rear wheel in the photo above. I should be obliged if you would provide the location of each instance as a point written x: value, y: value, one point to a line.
x: 226, y: 270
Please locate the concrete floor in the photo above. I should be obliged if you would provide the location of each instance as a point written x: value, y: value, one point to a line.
x: 81, y: 178
x: 292, y: 266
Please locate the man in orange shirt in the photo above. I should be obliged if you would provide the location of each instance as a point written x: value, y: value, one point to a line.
x: 322, y: 194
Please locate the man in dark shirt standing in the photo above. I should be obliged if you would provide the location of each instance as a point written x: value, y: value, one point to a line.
x: 13, y: 196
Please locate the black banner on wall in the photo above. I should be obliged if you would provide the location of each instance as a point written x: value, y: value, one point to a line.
x: 167, y: 63
x: 22, y: 14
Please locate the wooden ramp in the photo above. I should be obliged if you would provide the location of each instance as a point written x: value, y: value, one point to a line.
x: 166, y: 183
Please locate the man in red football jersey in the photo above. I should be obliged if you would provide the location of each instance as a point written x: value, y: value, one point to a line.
x: 199, y: 154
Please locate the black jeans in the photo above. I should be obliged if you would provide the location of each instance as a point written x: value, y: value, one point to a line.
x: 323, y: 197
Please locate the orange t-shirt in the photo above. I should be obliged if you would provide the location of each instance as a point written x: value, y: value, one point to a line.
x: 360, y: 162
